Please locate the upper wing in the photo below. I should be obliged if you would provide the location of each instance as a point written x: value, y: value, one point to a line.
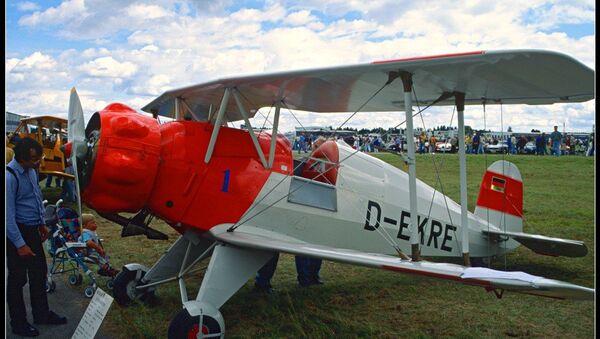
x: 510, y: 77
x: 489, y: 279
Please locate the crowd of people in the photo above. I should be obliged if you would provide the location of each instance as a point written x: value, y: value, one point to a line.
x: 554, y: 143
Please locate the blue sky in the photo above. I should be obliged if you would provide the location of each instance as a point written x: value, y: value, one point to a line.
x: 132, y: 51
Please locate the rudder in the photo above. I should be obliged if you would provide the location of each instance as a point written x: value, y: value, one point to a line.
x: 500, y: 199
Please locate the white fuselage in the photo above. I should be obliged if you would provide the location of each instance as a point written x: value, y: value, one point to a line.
x: 373, y: 213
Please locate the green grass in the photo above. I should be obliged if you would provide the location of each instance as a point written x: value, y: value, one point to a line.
x: 362, y: 302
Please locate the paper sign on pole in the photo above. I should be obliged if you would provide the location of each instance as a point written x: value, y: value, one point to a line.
x: 93, y: 316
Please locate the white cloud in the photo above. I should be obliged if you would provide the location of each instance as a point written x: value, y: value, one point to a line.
x: 27, y: 6
x: 109, y: 68
x: 154, y: 46
x: 68, y: 10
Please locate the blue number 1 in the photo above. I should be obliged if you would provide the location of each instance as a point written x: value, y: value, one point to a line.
x: 226, y: 181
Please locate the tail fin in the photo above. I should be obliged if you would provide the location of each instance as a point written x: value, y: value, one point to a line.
x: 500, y: 199
x: 500, y: 202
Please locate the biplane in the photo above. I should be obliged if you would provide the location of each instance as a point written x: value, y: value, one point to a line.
x: 237, y: 196
x: 51, y: 133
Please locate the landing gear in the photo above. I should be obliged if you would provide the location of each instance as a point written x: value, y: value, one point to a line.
x: 125, y: 283
x: 210, y: 322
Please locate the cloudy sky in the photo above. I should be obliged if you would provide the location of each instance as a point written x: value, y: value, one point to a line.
x: 132, y: 51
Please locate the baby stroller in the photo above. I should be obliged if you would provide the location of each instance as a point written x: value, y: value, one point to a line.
x: 68, y: 255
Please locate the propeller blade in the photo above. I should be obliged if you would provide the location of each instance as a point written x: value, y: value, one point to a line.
x: 76, y: 135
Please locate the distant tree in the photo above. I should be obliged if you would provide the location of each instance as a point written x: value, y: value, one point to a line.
x: 468, y: 130
x: 535, y: 131
x: 509, y: 129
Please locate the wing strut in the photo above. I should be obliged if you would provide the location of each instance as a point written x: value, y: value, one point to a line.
x: 213, y: 137
x: 412, y: 169
x: 464, y: 212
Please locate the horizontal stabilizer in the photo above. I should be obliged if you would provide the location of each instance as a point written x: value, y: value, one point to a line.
x: 258, y: 239
x: 544, y: 245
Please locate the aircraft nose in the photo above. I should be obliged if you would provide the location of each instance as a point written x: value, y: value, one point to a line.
x: 122, y: 160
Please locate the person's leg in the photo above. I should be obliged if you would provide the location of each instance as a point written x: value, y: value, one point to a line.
x: 48, y: 181
x: 17, y: 277
x: 265, y: 273
x: 315, y: 268
x: 37, y: 271
x: 302, y: 268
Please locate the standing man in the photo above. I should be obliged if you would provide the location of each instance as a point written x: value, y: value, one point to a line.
x: 26, y: 230
x: 556, y: 137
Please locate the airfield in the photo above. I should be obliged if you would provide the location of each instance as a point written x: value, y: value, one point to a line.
x: 363, y: 302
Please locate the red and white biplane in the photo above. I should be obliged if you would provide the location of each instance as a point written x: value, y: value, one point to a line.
x: 238, y: 196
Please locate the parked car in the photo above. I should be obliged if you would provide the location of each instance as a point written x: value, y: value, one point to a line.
x: 443, y: 147
x: 529, y: 148
x: 500, y: 147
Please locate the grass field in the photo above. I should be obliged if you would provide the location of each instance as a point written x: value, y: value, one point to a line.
x: 362, y: 302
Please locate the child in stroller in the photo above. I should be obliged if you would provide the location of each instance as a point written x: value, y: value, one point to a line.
x: 65, y: 250
x: 95, y: 250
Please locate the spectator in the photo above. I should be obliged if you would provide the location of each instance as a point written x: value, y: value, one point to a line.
x: 476, y: 141
x: 469, y: 143
x: 26, y: 230
x: 513, y: 143
x: 556, y: 138
x: 590, y: 150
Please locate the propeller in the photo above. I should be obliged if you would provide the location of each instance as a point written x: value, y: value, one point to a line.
x: 76, y: 135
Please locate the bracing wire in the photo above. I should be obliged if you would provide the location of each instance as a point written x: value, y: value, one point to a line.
x: 439, y: 180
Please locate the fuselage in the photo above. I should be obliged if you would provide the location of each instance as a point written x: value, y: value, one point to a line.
x: 141, y: 164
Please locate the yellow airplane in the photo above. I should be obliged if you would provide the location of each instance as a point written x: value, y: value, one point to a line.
x: 51, y: 133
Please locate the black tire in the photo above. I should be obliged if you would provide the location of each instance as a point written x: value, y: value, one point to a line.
x: 186, y: 326
x: 126, y: 280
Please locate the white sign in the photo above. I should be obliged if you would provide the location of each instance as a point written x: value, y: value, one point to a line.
x: 93, y: 316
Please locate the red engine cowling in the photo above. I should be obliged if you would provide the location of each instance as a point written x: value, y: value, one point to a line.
x: 124, y: 159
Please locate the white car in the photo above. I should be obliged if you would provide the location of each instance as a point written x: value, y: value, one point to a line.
x: 500, y: 147
x: 443, y: 147
x: 529, y: 148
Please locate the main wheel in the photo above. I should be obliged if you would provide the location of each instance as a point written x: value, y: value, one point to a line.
x: 186, y: 326
x: 124, y: 286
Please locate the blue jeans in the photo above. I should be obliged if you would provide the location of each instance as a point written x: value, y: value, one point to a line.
x: 480, y: 149
x: 49, y: 181
x: 265, y: 273
x: 556, y: 148
x: 308, y: 270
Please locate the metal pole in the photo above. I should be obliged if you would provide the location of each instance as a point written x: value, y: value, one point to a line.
x: 213, y: 137
x: 462, y: 158
x: 177, y: 110
x: 412, y: 170
x: 274, y: 134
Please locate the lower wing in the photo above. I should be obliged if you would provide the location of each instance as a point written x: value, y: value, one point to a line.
x: 491, y: 280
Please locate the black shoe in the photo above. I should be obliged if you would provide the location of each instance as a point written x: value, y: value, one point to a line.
x: 26, y: 330
x: 264, y: 289
x: 51, y: 319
